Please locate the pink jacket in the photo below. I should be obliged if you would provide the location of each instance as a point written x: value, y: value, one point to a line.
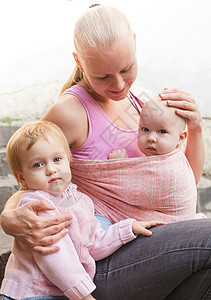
x: 70, y: 271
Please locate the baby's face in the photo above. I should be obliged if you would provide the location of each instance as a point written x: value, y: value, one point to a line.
x: 45, y: 166
x: 159, y: 129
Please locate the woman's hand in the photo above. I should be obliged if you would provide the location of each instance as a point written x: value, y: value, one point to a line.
x: 39, y: 233
x: 186, y: 107
x: 141, y: 227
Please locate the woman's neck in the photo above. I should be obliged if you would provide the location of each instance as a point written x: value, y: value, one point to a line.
x: 98, y: 98
x: 122, y: 113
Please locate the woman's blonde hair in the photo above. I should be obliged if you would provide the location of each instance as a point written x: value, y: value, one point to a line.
x: 99, y: 27
x: 27, y: 136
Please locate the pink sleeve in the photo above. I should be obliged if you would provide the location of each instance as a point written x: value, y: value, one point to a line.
x: 62, y: 268
x: 107, y: 242
x: 65, y: 270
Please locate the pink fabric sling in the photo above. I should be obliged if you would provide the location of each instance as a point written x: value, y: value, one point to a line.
x: 150, y: 187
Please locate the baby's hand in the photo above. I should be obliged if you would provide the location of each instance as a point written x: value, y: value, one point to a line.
x: 118, y: 154
x: 140, y: 227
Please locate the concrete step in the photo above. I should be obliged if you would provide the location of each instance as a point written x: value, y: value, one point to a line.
x: 4, y: 167
x: 5, y: 133
x: 204, y: 196
x: 8, y: 186
x: 6, y: 242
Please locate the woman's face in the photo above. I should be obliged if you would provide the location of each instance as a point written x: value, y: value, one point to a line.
x: 111, y: 72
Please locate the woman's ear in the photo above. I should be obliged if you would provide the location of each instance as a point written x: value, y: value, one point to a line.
x: 78, y: 63
x: 182, y: 137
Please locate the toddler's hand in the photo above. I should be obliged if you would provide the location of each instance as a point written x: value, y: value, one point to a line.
x: 118, y: 154
x: 89, y: 297
x: 140, y: 227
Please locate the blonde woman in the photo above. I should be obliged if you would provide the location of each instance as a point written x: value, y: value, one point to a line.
x: 98, y: 114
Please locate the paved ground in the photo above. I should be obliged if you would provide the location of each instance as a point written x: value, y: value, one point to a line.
x: 6, y: 242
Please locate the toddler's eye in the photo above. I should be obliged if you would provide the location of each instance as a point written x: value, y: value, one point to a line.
x: 57, y: 159
x: 37, y: 165
x: 144, y: 129
x: 162, y: 131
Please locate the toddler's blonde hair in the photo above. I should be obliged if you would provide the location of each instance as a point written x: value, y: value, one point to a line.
x: 26, y: 136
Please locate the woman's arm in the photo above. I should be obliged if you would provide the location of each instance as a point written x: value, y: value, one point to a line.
x: 26, y: 226
x: 187, y: 108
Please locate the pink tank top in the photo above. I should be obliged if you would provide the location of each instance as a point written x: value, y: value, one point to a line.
x: 104, y: 136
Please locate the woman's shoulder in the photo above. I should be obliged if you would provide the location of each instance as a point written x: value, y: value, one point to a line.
x: 67, y: 104
x: 68, y: 112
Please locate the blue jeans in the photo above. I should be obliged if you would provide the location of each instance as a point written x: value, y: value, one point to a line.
x: 173, y: 264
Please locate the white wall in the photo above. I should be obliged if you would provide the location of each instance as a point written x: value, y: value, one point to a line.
x: 173, y: 43
x: 173, y: 48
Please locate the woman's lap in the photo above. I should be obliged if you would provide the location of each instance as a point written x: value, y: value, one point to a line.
x: 158, y: 266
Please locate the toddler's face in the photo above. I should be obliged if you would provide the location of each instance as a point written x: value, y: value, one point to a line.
x: 45, y: 167
x: 159, y: 129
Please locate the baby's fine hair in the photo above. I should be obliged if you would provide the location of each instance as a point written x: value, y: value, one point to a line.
x: 99, y: 27
x: 159, y: 107
x: 26, y: 136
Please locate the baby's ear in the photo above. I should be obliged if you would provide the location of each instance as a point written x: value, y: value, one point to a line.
x: 20, y: 178
x: 182, y: 137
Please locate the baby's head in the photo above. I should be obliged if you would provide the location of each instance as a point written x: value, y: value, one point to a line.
x: 39, y: 156
x: 161, y: 130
